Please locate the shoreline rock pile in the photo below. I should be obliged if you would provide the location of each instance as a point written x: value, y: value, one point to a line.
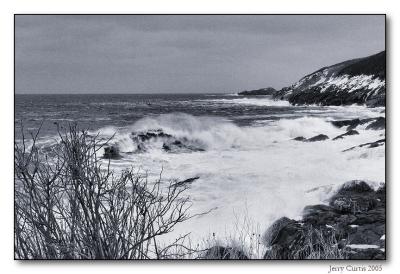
x: 351, y: 226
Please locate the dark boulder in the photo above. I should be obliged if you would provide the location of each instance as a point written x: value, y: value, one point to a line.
x: 378, y: 124
x: 286, y: 239
x: 348, y: 133
x: 186, y: 182
x: 353, y: 123
x: 183, y: 145
x: 224, y: 253
x: 355, y: 186
x: 368, y: 233
x: 377, y: 143
x: 376, y: 215
x: 375, y: 123
x: 352, y: 226
x: 300, y: 138
x: 320, y: 137
x: 111, y: 152
x: 262, y: 91
x: 273, y: 232
x: 320, y: 215
x: 364, y: 253
x: 381, y: 193
x: 354, y: 196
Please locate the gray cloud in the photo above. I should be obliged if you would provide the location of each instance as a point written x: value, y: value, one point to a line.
x: 197, y: 53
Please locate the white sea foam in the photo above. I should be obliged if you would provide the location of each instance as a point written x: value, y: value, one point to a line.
x: 258, y: 171
x: 361, y: 246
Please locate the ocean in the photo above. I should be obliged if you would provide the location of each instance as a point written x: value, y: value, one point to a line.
x: 242, y: 149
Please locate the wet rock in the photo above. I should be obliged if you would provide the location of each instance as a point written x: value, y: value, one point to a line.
x: 320, y: 215
x: 320, y: 137
x: 354, y: 196
x: 351, y: 226
x: 368, y: 233
x: 166, y: 147
x: 300, y: 138
x: 348, y: 133
x: 364, y: 252
x: 151, y: 134
x: 186, y: 182
x: 262, y: 91
x: 183, y: 145
x: 376, y: 215
x: 377, y: 143
x: 375, y: 123
x: 378, y: 124
x: 355, y: 186
x: 170, y: 143
x: 272, y: 234
x: 351, y: 124
x: 224, y: 253
x: 285, y: 239
x: 111, y: 152
x: 381, y: 193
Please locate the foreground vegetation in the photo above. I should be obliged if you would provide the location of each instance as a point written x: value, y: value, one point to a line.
x: 69, y: 206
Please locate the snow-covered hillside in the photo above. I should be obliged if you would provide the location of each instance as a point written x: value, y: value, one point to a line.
x: 357, y: 81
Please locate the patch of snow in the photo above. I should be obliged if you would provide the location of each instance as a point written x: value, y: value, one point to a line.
x: 343, y: 82
x: 360, y: 246
x: 353, y: 226
x: 383, y: 237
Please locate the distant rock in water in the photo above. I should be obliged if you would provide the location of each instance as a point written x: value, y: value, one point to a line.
x: 377, y: 123
x: 262, y: 91
x: 377, y: 143
x: 352, y: 226
x: 348, y: 133
x: 351, y: 124
x: 300, y: 138
x: 186, y: 182
x: 170, y: 143
x: 111, y: 152
x: 357, y: 81
x: 320, y: 137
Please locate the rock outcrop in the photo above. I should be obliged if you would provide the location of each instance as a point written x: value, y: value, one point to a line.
x: 170, y: 143
x: 224, y: 253
x: 357, y: 81
x: 376, y: 123
x: 111, y: 152
x: 351, y: 226
x: 316, y: 138
x: 262, y: 91
x: 348, y: 133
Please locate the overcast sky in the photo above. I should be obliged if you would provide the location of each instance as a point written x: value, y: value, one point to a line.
x: 185, y: 54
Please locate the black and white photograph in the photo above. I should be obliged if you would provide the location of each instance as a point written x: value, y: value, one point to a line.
x: 200, y: 137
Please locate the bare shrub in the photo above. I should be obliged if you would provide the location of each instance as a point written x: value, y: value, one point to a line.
x: 244, y: 240
x: 70, y: 206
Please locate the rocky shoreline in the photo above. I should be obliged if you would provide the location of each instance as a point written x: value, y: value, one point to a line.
x: 350, y: 226
x: 359, y: 81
